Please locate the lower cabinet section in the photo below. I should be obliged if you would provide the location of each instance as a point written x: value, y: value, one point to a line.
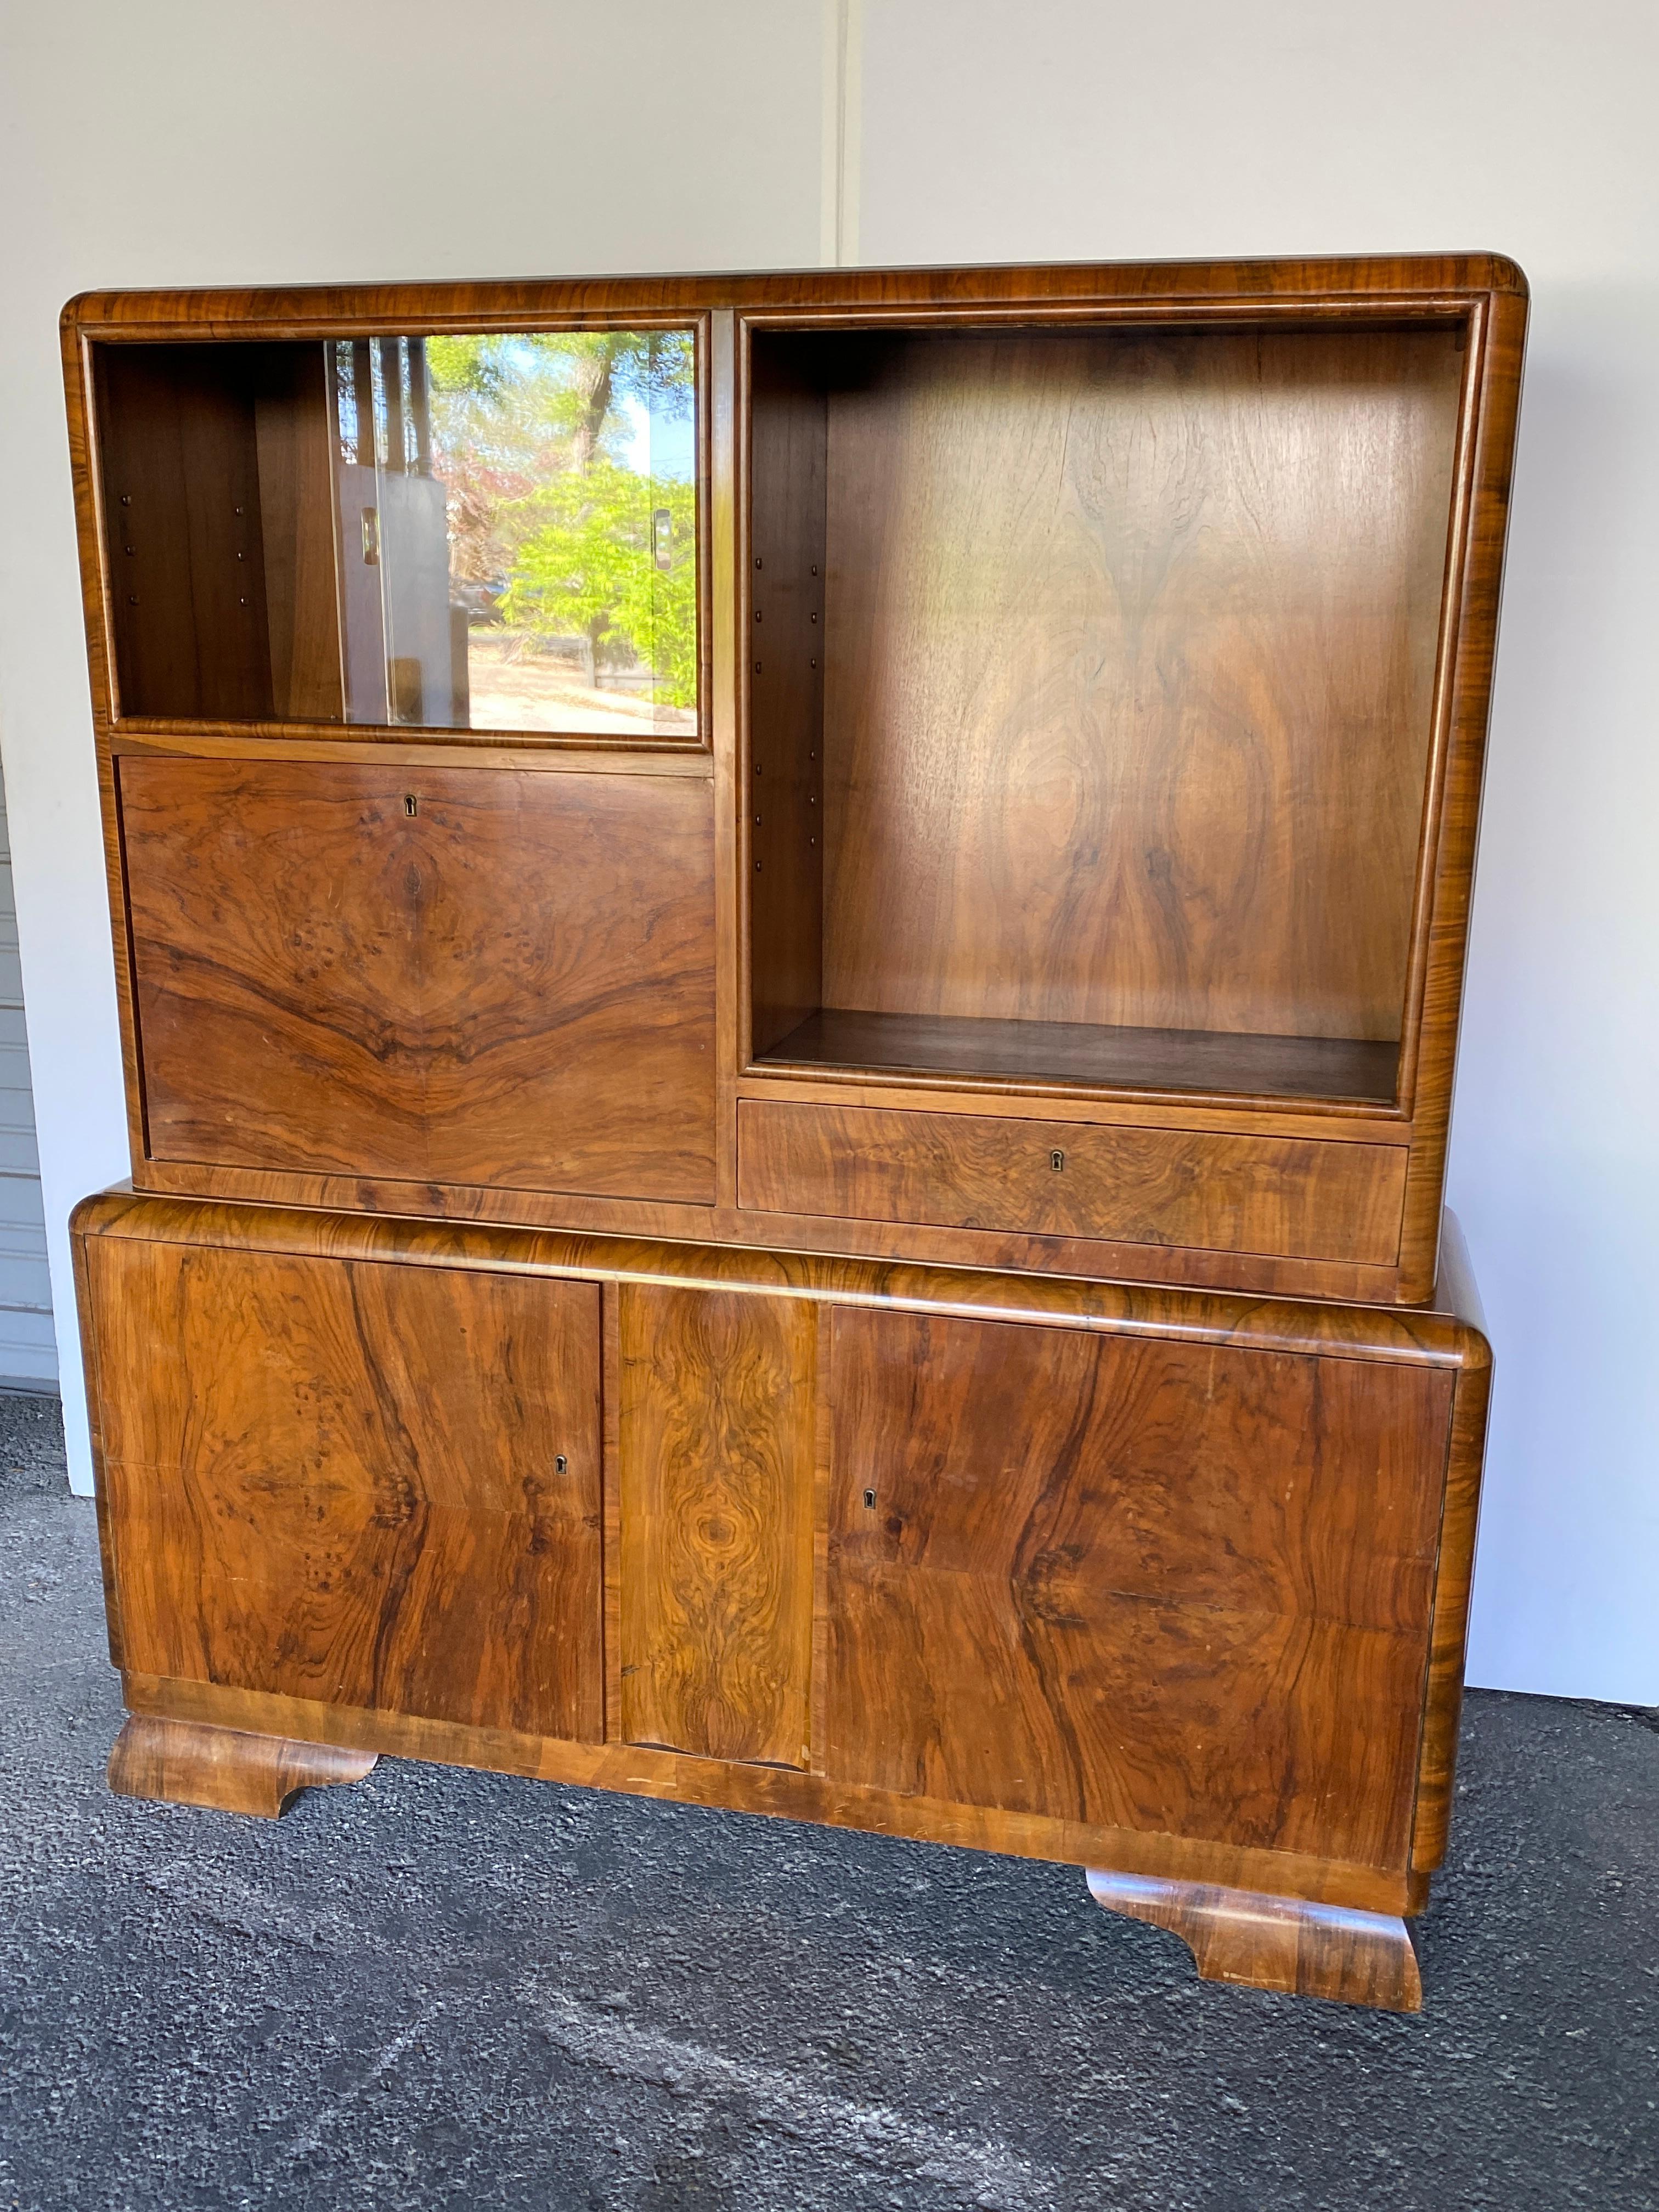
x: 1168, y: 1584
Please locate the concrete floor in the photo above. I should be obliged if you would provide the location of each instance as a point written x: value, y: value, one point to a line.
x: 446, y: 1988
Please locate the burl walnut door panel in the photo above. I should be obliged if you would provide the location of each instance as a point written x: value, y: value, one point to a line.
x: 715, y: 1465
x: 510, y: 985
x: 365, y: 1484
x: 1131, y: 1582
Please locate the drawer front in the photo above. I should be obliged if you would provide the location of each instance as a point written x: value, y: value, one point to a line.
x: 363, y: 1483
x: 1132, y: 1583
x: 511, y: 986
x: 1303, y: 1199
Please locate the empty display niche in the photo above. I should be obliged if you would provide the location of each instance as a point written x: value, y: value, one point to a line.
x: 1092, y: 687
x: 490, y: 531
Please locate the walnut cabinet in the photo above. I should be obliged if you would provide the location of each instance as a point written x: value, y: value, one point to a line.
x: 789, y: 951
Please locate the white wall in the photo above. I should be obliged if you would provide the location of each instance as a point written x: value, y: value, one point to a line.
x: 198, y: 144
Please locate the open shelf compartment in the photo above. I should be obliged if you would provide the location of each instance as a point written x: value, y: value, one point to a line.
x: 1091, y: 698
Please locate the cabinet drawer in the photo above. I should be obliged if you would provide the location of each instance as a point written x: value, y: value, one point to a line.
x: 439, y: 976
x: 1302, y: 1198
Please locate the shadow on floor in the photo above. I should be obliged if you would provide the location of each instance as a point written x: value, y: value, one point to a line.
x: 438, y: 1988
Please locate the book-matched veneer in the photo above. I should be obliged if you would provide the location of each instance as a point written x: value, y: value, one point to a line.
x: 1170, y: 1585
x: 851, y: 1231
x: 1096, y: 669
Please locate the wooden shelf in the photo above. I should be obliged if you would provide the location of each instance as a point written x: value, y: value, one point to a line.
x: 1348, y: 1068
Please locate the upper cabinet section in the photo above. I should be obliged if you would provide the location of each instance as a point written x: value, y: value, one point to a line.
x: 488, y: 531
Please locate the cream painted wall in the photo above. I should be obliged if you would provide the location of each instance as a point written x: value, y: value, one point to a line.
x: 194, y: 144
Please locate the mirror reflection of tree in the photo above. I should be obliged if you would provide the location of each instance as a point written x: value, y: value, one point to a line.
x: 567, y: 458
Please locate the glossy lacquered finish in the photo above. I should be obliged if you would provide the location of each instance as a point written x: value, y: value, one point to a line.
x: 1190, y: 851
x: 227, y: 1770
x: 860, y: 1239
x: 1153, y: 1581
x: 434, y: 975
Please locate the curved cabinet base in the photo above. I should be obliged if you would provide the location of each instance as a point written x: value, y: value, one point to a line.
x: 1276, y: 1942
x: 187, y: 1763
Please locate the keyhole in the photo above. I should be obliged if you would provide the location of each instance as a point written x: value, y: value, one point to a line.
x: 561, y: 1464
x: 410, y: 803
x: 869, y: 1500
x: 1057, y: 1160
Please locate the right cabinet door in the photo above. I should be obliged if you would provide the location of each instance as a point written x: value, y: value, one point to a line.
x: 1132, y: 1582
x: 437, y: 975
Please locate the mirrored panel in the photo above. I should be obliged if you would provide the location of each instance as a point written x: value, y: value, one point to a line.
x: 493, y: 532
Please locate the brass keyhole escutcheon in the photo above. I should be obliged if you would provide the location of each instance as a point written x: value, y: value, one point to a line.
x: 1057, y: 1160
x: 410, y: 803
x: 869, y: 1501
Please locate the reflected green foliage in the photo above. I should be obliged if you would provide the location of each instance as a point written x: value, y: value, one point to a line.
x: 537, y: 440
x: 591, y: 567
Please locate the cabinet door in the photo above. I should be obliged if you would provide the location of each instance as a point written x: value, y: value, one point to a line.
x: 367, y: 1484
x: 715, y: 1469
x: 510, y: 985
x: 1132, y: 1583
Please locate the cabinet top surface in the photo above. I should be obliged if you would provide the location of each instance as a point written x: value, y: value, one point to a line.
x: 1446, y: 1332
x: 1446, y: 277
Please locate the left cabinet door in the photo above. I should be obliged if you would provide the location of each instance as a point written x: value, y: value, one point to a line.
x: 455, y: 976
x: 366, y: 1483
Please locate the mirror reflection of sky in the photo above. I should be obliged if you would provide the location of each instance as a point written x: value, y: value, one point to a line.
x: 660, y: 442
x: 661, y: 446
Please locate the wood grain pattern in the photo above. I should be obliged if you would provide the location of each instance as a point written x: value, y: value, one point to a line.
x: 715, y: 1478
x: 1452, y: 820
x: 294, y: 437
x: 1415, y: 1337
x: 189, y: 1763
x: 185, y: 547
x: 780, y: 613
x: 780, y: 1791
x: 1164, y: 1587
x: 343, y: 1481
x: 1253, y: 1273
x: 1205, y: 1060
x: 1454, y: 1571
x: 1276, y: 1942
x: 1299, y: 288
x: 1132, y: 656
x: 1335, y: 1201
x: 1480, y: 296
x: 513, y: 985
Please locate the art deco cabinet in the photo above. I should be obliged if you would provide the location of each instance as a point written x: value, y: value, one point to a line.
x: 789, y: 952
